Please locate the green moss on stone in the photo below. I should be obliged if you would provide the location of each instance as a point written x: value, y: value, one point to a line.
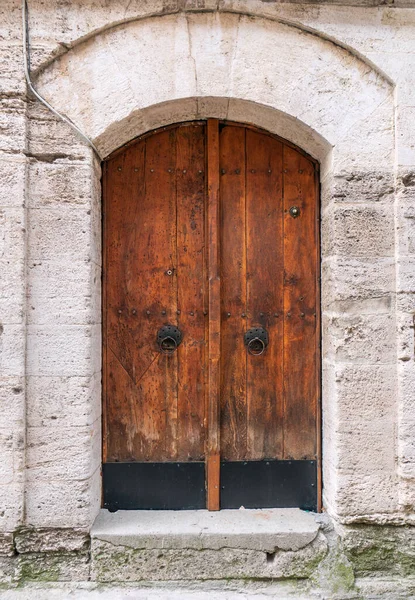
x: 46, y: 567
x: 380, y: 549
x: 39, y: 571
x: 342, y: 577
x: 406, y: 562
x: 335, y: 573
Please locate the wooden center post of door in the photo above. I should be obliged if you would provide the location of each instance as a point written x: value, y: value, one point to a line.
x: 213, y: 388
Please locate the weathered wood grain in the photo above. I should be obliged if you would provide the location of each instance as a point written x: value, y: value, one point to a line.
x: 264, y: 293
x: 198, y: 233
x: 213, y: 445
x: 300, y: 307
x: 191, y: 281
x: 233, y: 293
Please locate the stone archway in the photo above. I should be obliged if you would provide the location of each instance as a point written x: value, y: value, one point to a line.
x: 148, y: 73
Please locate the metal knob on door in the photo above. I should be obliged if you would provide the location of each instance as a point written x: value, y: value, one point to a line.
x: 169, y: 338
x: 256, y: 340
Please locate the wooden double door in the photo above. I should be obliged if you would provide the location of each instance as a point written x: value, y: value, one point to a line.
x: 211, y: 321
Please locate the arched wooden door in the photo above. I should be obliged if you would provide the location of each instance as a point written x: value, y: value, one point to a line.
x: 211, y: 321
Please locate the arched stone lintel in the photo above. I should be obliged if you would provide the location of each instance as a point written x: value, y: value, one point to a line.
x: 62, y: 49
x: 188, y: 109
x: 127, y: 79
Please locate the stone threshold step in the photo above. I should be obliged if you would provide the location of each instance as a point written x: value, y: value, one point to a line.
x: 267, y: 544
x: 98, y: 591
x: 266, y: 530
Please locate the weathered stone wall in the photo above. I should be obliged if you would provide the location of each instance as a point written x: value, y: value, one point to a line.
x: 339, y: 82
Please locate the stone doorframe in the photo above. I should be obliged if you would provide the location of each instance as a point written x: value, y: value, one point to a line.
x: 150, y: 72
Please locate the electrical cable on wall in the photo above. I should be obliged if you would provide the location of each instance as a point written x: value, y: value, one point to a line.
x: 26, y: 57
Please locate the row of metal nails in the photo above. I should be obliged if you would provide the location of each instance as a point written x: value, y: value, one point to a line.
x: 223, y: 171
x: 243, y: 315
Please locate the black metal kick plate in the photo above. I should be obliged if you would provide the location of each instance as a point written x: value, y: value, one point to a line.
x: 158, y: 486
x: 269, y: 484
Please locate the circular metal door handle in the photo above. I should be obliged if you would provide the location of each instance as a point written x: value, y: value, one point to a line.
x: 168, y: 339
x: 256, y: 340
x: 168, y: 345
x: 256, y: 346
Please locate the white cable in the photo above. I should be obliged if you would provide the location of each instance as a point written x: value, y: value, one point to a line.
x: 26, y: 57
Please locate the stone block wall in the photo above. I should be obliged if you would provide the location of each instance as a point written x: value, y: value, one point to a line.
x: 335, y: 80
x: 13, y: 161
x: 63, y: 360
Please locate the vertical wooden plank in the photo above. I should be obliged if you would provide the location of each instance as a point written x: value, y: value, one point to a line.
x: 301, y: 307
x: 105, y: 423
x: 164, y: 292
x: 155, y: 281
x: 264, y: 293
x: 233, y: 433
x: 191, y: 283
x: 142, y: 383
x: 121, y: 190
x: 213, y: 445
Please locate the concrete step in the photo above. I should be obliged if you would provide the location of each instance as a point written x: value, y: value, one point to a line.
x: 91, y: 591
x: 269, y: 544
x: 391, y: 590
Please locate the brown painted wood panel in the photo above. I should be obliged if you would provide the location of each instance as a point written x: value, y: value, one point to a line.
x: 214, y: 324
x: 191, y: 278
x: 155, y: 402
x: 301, y: 363
x: 252, y: 294
x: 233, y: 293
x: 122, y: 187
x: 264, y: 293
x: 198, y: 234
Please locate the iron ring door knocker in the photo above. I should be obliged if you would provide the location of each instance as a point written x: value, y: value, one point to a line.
x: 256, y: 340
x: 169, y: 338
